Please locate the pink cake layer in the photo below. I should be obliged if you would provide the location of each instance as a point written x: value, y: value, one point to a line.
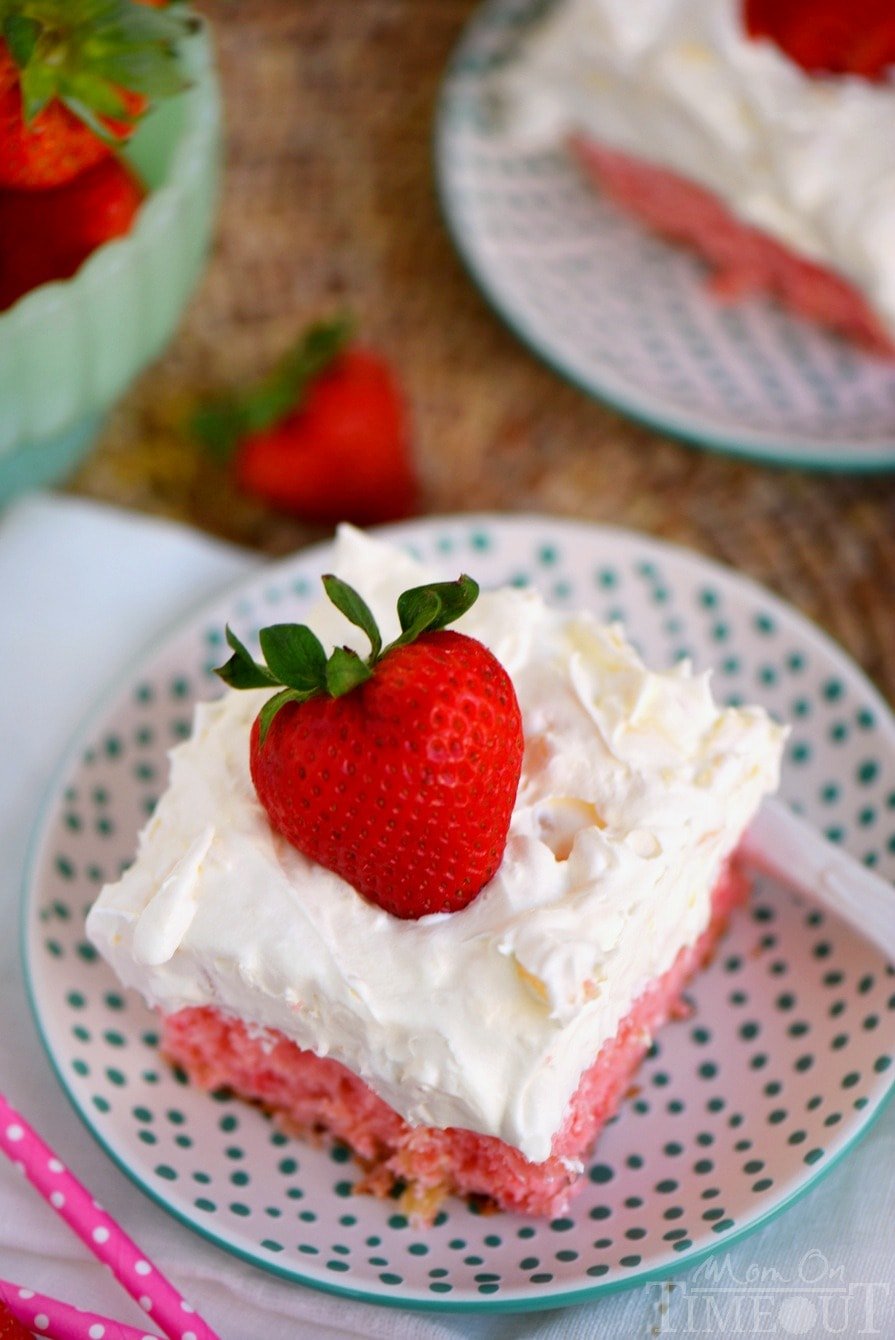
x: 314, y: 1095
x: 744, y: 260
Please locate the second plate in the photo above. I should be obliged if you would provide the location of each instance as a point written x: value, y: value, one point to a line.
x: 628, y: 317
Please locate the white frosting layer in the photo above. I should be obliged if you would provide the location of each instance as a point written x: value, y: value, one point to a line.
x: 809, y: 160
x: 634, y: 789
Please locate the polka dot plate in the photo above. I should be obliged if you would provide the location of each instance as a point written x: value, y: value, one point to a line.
x: 781, y: 1066
x: 627, y: 316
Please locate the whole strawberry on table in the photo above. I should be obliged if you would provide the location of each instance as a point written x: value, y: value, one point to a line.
x: 397, y: 771
x: 76, y: 76
x: 325, y: 436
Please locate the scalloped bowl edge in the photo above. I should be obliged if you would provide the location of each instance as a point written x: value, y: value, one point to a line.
x: 69, y: 349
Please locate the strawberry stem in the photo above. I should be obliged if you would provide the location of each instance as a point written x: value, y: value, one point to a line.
x: 20, y: 35
x: 222, y: 422
x: 356, y: 610
x: 88, y: 53
x: 295, y: 658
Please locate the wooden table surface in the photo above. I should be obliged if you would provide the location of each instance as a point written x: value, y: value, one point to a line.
x: 329, y: 203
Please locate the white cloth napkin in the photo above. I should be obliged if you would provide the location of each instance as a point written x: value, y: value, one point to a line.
x: 84, y: 587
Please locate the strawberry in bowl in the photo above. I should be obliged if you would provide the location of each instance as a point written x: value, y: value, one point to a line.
x: 75, y: 80
x: 109, y: 146
x: 47, y: 235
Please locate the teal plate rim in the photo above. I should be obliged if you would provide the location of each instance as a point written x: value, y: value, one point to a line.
x: 404, y: 533
x: 762, y: 448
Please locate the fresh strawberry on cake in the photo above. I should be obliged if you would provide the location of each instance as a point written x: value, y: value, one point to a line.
x: 757, y: 132
x: 428, y: 878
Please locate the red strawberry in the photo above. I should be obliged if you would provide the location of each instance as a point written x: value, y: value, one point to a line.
x: 399, y: 772
x: 75, y: 76
x: 829, y: 36
x: 342, y: 453
x: 10, y: 1328
x: 326, y: 437
x: 47, y: 235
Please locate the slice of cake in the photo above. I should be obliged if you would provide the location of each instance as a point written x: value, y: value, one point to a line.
x: 476, y: 1051
x: 758, y: 132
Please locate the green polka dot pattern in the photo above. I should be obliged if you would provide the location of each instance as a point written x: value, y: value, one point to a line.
x: 625, y: 315
x: 783, y: 1062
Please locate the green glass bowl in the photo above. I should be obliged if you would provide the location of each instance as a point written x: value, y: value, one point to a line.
x: 68, y: 350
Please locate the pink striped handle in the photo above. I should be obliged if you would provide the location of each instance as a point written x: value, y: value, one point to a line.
x: 60, y: 1321
x: 98, y: 1230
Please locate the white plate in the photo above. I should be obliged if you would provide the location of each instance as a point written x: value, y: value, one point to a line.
x: 782, y: 1066
x: 628, y: 317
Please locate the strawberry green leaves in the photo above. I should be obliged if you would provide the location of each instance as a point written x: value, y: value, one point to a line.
x: 294, y: 655
x: 424, y: 609
x: 222, y: 422
x: 87, y: 52
x: 296, y: 662
x: 356, y: 610
x: 295, y: 658
x: 20, y: 34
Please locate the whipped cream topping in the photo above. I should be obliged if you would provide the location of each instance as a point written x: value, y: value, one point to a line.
x: 635, y: 787
x: 679, y: 83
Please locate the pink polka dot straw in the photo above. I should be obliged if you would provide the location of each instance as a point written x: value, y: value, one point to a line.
x: 101, y: 1234
x: 42, y: 1315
